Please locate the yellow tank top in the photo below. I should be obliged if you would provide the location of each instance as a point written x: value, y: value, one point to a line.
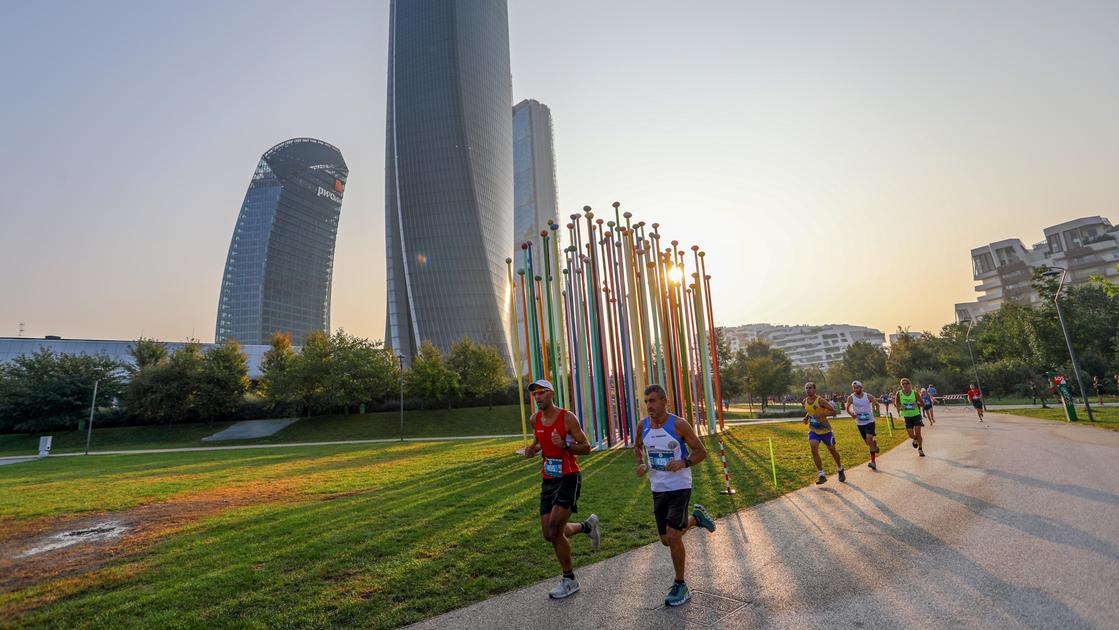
x: 818, y: 419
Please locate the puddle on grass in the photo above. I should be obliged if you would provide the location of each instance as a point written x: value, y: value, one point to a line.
x: 105, y: 530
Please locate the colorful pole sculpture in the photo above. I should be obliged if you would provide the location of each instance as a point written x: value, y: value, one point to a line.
x: 516, y: 349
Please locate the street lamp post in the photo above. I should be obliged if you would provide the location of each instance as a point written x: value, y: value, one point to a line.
x: 400, y: 363
x: 1053, y: 271
x: 92, y: 407
x: 974, y: 367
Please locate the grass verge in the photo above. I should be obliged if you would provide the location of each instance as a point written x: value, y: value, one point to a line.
x: 1106, y: 417
x: 500, y: 420
x: 370, y: 536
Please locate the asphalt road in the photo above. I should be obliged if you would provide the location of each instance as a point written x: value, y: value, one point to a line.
x: 1010, y: 525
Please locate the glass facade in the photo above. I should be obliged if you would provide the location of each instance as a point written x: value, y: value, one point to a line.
x: 449, y: 173
x: 534, y: 175
x: 281, y: 258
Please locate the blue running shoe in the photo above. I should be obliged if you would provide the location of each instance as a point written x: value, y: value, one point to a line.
x: 703, y: 518
x: 677, y: 595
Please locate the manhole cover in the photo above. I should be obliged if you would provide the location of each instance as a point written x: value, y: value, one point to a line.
x: 98, y: 532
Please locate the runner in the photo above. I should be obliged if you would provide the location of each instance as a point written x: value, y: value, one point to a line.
x: 559, y: 438
x: 927, y: 405
x: 886, y: 399
x: 816, y: 412
x: 666, y: 447
x: 976, y: 398
x: 863, y: 407
x: 906, y: 401
x: 1098, y: 386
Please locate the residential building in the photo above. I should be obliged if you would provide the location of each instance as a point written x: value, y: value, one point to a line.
x: 1086, y: 246
x: 805, y: 345
x: 278, y: 272
x: 448, y: 174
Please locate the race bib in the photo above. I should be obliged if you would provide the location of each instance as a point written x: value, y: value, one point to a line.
x: 815, y: 424
x: 864, y: 417
x: 553, y: 467
x: 658, y: 460
x: 909, y: 406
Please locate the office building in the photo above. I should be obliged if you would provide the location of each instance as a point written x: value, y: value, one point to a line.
x: 449, y: 173
x: 281, y: 258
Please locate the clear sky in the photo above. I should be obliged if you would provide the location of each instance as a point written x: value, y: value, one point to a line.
x: 836, y: 160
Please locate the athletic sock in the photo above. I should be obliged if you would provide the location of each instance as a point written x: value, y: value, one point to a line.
x: 872, y: 456
x: 569, y: 575
x: 678, y: 581
x: 821, y: 473
x: 586, y: 527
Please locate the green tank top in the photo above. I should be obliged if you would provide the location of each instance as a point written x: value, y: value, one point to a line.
x: 909, y: 408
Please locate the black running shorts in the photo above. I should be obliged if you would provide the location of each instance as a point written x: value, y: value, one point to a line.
x: 562, y: 491
x: 913, y: 421
x: 671, y: 509
x: 866, y: 429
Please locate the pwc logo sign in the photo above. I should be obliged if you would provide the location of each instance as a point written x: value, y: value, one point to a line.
x: 334, y: 195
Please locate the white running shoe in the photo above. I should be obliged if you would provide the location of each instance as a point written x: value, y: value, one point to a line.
x: 595, y: 534
x: 567, y: 587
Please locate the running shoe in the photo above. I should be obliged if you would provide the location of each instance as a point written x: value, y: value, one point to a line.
x: 821, y: 479
x: 567, y: 587
x: 872, y: 466
x: 593, y: 532
x: 921, y: 452
x: 842, y: 476
x: 677, y: 595
x: 703, y: 518
x: 914, y: 443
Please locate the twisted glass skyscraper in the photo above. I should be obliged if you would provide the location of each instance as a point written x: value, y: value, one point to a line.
x: 281, y: 257
x: 449, y: 173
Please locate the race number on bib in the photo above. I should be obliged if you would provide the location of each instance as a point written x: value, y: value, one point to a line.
x: 553, y: 467
x: 658, y: 460
x: 909, y: 406
x: 863, y: 417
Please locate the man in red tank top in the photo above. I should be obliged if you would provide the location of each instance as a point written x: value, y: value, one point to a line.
x: 558, y: 438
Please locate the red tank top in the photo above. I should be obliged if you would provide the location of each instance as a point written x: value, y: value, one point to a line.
x: 557, y: 461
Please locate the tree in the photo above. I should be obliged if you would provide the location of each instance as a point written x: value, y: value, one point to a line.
x: 768, y: 371
x: 429, y: 378
x: 909, y: 354
x: 221, y: 382
x: 732, y: 374
x: 362, y: 371
x: 273, y: 385
x: 479, y: 369
x: 864, y: 360
x: 146, y: 353
x: 47, y: 391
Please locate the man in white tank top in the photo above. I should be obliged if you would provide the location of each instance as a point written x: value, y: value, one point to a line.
x: 666, y: 447
x: 863, y: 407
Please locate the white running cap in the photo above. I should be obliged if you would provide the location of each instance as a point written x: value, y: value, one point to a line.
x: 541, y: 384
x: 856, y: 383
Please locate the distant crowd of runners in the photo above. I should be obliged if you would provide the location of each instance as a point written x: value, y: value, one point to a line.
x: 665, y: 449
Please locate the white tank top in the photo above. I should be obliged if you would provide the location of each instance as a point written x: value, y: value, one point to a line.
x: 864, y: 410
x: 662, y: 445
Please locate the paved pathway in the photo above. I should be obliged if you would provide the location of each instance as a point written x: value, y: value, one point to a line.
x: 188, y: 449
x: 1011, y: 525
x: 250, y: 429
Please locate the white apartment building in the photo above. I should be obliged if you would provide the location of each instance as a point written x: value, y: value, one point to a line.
x: 805, y: 345
x: 1087, y: 246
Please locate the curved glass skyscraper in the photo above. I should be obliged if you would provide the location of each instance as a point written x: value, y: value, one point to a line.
x: 449, y: 173
x: 281, y: 257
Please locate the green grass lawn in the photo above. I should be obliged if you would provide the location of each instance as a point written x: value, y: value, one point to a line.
x: 1106, y: 417
x: 365, y: 536
x: 500, y: 420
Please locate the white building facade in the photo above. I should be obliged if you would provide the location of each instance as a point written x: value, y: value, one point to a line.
x: 805, y: 345
x: 1086, y: 246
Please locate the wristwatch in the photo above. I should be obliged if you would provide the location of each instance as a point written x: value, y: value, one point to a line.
x: 687, y: 463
